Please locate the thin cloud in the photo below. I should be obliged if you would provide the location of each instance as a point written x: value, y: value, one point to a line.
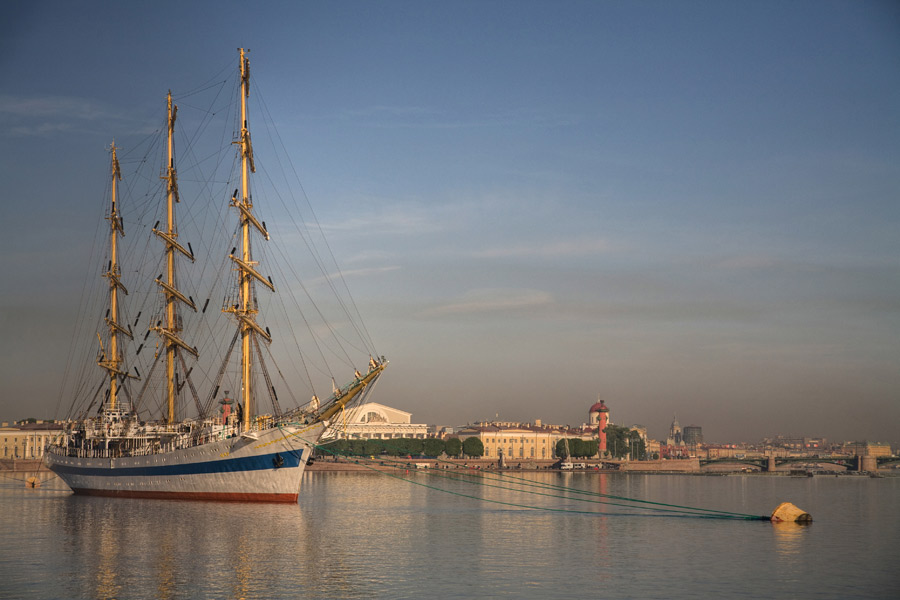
x: 40, y: 130
x: 746, y: 262
x: 492, y: 300
x: 49, y: 106
x: 44, y: 115
x: 392, y: 223
x: 393, y: 111
x: 367, y: 257
x: 402, y: 218
x: 580, y: 247
x: 353, y: 273
x: 431, y: 118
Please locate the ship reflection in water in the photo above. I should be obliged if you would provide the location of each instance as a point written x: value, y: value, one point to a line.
x: 166, y: 547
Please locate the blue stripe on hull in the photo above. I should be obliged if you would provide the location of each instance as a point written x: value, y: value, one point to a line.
x: 231, y: 465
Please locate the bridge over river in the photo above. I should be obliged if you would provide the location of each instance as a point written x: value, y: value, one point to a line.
x: 771, y: 463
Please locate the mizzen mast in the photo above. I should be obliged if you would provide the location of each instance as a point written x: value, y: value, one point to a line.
x: 172, y: 327
x: 112, y: 360
x: 245, y: 310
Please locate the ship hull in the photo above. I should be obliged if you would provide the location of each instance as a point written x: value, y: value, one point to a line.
x: 266, y: 469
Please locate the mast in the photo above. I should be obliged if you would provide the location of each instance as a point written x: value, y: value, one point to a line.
x: 112, y: 361
x: 246, y: 311
x: 172, y: 296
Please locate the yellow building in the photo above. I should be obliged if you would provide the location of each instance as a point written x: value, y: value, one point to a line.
x: 523, y: 441
x: 714, y: 451
x: 26, y: 441
x: 867, y: 449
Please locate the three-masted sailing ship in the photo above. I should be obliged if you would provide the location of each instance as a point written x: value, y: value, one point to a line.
x: 233, y: 455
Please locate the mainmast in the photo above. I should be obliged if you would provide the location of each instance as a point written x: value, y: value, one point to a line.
x: 245, y: 310
x: 170, y: 236
x: 112, y: 360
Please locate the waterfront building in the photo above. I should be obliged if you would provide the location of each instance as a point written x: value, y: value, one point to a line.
x: 693, y: 435
x: 675, y: 437
x: 523, y: 441
x: 26, y: 441
x: 867, y: 449
x: 652, y: 447
x: 796, y: 443
x: 641, y: 430
x: 673, y: 451
x: 373, y: 421
x: 717, y: 451
x: 536, y: 441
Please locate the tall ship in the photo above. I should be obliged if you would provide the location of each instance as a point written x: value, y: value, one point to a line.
x: 130, y: 438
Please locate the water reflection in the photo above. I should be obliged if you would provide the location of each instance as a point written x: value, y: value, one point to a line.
x: 107, y: 585
x: 789, y: 538
x: 363, y: 536
x: 157, y: 546
x: 601, y: 530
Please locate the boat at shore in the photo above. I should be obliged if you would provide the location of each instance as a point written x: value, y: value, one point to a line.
x: 114, y: 447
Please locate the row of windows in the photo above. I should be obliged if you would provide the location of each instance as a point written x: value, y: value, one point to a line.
x: 384, y: 436
x: 23, y: 453
x: 488, y: 440
x: 24, y: 447
x: 509, y: 453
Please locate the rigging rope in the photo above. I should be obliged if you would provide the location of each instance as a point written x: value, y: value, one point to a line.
x: 265, y: 371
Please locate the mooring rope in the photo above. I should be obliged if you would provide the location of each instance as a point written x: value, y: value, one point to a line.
x: 593, y: 497
x: 530, y: 483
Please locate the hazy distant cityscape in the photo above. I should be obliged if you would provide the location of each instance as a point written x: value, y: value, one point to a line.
x: 534, y: 440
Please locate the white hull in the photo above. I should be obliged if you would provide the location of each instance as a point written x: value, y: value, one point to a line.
x: 267, y: 469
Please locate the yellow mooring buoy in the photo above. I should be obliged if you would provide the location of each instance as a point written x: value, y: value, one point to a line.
x: 33, y: 482
x: 788, y: 513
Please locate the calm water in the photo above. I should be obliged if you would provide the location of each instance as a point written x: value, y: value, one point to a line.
x: 369, y: 535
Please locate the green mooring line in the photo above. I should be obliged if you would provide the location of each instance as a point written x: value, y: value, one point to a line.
x: 527, y: 482
x: 675, y: 509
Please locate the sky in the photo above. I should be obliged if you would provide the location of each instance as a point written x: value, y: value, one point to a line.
x: 688, y: 209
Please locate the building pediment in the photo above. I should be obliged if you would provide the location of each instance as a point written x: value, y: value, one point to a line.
x: 374, y: 413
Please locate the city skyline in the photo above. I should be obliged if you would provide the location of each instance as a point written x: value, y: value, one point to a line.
x: 439, y: 430
x: 685, y: 209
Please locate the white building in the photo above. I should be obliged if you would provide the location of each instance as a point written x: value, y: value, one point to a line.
x: 373, y: 421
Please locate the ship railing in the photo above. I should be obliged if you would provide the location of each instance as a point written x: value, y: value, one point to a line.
x: 150, y: 445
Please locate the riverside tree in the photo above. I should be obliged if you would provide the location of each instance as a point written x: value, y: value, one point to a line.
x: 433, y: 447
x: 578, y: 448
x: 473, y: 447
x: 404, y: 447
x: 622, y: 442
x: 453, y: 447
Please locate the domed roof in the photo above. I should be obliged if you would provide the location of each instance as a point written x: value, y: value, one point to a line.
x: 599, y: 407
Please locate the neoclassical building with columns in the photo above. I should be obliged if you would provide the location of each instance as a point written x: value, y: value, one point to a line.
x: 373, y: 421
x: 536, y: 440
x: 27, y: 441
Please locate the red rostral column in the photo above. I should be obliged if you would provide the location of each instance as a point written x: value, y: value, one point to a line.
x: 225, y: 410
x: 599, y: 415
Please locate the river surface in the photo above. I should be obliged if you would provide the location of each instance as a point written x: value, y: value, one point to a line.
x: 368, y: 535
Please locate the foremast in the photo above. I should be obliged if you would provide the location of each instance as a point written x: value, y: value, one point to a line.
x: 112, y: 360
x: 169, y: 332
